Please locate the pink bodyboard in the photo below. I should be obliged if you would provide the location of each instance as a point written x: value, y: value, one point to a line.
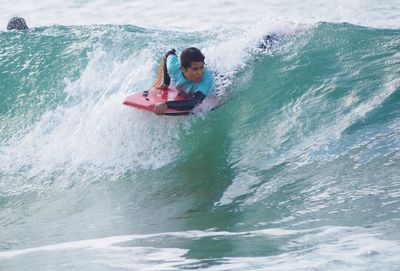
x: 155, y: 96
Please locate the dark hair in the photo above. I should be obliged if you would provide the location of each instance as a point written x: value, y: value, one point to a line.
x: 191, y: 54
x: 16, y: 23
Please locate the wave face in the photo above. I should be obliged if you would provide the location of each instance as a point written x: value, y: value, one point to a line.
x: 297, y: 170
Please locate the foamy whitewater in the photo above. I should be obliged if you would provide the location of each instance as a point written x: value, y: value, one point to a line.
x: 298, y: 169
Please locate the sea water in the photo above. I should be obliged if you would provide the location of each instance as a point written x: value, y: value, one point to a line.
x: 297, y: 170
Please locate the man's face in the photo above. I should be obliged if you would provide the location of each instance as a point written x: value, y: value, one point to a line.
x: 195, y: 72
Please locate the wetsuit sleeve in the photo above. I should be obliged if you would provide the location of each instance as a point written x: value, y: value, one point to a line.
x: 188, y: 104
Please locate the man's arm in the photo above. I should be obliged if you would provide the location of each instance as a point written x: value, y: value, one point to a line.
x: 185, y: 105
x: 188, y: 104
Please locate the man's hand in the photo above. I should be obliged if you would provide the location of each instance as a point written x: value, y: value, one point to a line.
x: 160, y: 108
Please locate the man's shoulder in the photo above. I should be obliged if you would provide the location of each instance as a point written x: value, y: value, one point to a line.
x: 206, y: 85
x: 208, y: 75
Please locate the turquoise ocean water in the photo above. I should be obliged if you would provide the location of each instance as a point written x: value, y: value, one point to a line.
x: 298, y: 170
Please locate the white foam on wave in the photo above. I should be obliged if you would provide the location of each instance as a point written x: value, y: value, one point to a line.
x: 327, y: 248
x: 92, y: 131
x: 111, y: 241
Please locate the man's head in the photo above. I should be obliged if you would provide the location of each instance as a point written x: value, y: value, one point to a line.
x: 16, y: 23
x: 192, y: 64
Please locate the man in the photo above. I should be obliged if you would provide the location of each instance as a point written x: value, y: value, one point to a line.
x: 190, y: 78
